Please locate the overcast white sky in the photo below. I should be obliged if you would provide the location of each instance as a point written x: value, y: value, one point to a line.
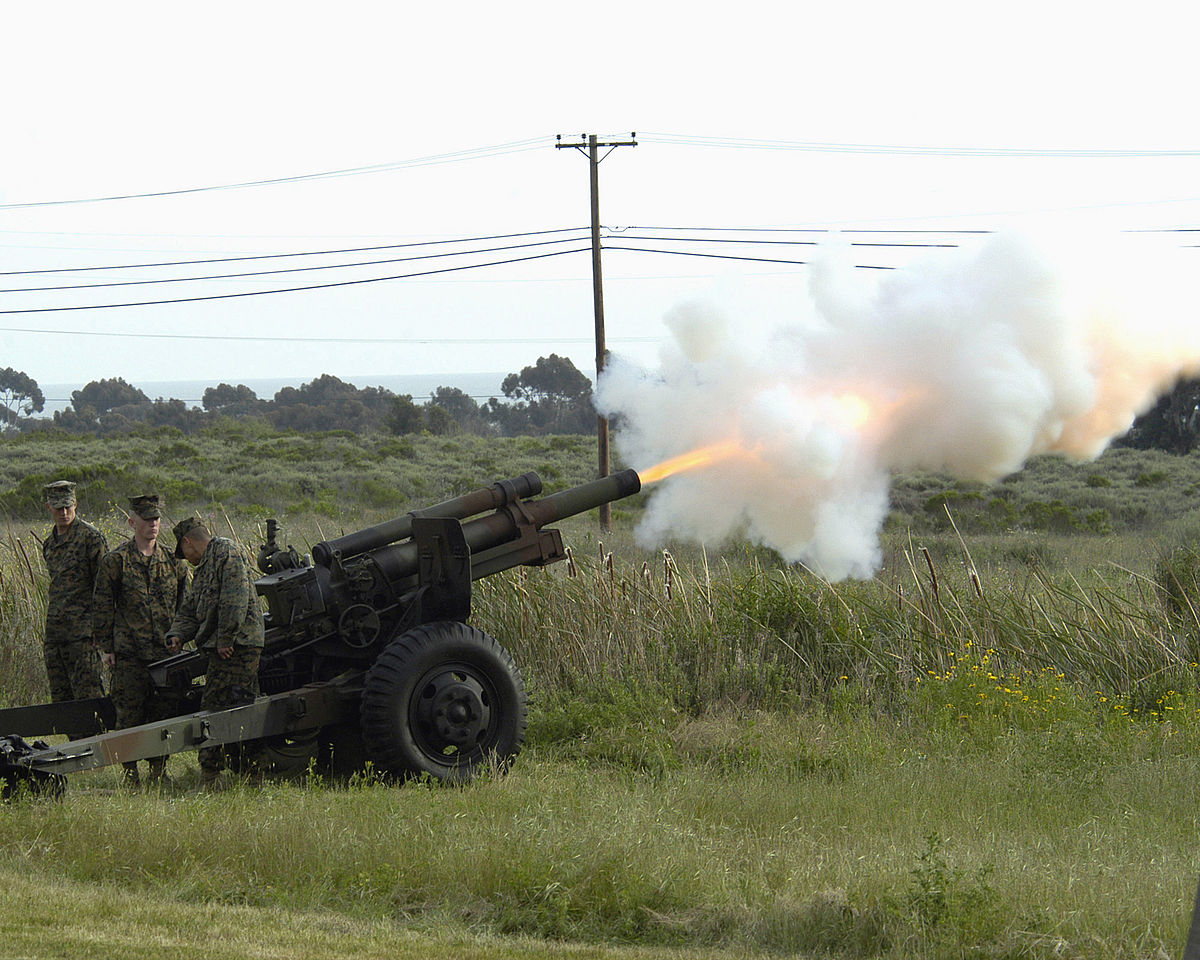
x: 135, y: 98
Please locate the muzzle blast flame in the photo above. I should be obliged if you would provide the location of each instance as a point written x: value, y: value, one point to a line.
x: 692, y: 460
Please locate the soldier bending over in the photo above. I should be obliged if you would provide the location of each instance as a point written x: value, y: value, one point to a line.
x: 221, y: 612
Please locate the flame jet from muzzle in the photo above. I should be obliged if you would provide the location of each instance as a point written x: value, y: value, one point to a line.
x: 692, y: 460
x: 968, y: 362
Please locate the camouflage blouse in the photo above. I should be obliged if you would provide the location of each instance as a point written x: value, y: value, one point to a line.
x: 221, y: 607
x: 136, y: 597
x: 72, y: 560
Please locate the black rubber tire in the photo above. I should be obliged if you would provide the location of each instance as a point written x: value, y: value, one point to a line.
x: 290, y: 757
x: 443, y: 700
x: 341, y: 754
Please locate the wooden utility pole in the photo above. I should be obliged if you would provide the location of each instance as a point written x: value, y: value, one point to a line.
x: 592, y: 145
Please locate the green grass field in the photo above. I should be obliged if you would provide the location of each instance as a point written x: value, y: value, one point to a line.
x: 743, y: 834
x: 991, y: 749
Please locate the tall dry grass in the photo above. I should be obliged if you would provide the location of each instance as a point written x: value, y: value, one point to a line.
x: 735, y: 628
x: 22, y: 619
x: 735, y: 631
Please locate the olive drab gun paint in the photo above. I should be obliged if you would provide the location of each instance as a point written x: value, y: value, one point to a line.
x: 368, y: 658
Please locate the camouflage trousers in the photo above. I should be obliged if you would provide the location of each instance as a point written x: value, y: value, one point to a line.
x: 228, y: 683
x: 73, y: 669
x: 137, y: 701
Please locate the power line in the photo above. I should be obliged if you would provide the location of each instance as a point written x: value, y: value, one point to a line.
x: 302, y: 253
x: 620, y: 246
x: 611, y: 232
x: 476, y: 153
x: 725, y: 256
x: 263, y: 273
x: 739, y: 143
x: 140, y: 335
x: 616, y: 232
x: 796, y: 243
x: 815, y: 146
x: 822, y: 230
x: 315, y: 286
x: 453, y: 253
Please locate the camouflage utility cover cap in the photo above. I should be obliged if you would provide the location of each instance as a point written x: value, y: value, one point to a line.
x: 182, y: 529
x: 60, y: 493
x: 148, y: 507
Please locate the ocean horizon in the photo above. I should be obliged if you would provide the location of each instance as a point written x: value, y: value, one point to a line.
x: 480, y: 386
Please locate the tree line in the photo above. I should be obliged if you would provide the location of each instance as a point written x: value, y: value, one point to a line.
x: 549, y: 396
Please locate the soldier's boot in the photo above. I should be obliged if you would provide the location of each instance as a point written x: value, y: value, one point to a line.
x: 158, y: 773
x: 129, y: 776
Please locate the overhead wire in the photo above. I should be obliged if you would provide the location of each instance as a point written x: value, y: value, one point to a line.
x: 726, y: 256
x: 314, y: 267
x: 798, y: 243
x: 300, y: 253
x: 255, y: 338
x: 475, y: 153
x: 817, y: 146
x: 825, y: 230
x: 617, y: 233
x: 403, y: 340
x: 622, y: 234
x: 367, y: 263
x: 673, y: 139
x: 616, y: 239
x: 315, y: 286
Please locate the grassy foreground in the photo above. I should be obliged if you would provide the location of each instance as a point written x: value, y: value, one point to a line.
x: 112, y: 925
x: 820, y: 833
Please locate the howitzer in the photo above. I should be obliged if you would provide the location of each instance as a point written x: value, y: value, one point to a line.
x: 368, y: 654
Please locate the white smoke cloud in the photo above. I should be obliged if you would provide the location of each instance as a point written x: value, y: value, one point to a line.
x: 969, y: 361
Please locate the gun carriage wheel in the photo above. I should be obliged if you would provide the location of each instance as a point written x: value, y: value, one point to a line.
x: 444, y: 699
x: 289, y: 757
x: 340, y: 753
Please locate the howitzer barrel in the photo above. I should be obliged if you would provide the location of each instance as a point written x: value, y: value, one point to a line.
x: 401, y: 560
x: 469, y: 504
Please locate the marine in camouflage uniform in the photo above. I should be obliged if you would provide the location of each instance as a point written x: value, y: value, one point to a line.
x: 72, y: 551
x: 138, y: 588
x: 221, y: 612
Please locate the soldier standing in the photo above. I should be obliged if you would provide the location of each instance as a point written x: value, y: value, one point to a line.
x: 72, y: 551
x: 138, y: 588
x: 221, y: 613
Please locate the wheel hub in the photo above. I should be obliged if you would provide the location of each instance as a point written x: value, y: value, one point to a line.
x: 455, y: 710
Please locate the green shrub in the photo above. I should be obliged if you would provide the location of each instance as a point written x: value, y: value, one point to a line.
x: 1055, y: 516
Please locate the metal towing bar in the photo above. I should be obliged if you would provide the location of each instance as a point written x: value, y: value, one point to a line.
x: 41, y: 767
